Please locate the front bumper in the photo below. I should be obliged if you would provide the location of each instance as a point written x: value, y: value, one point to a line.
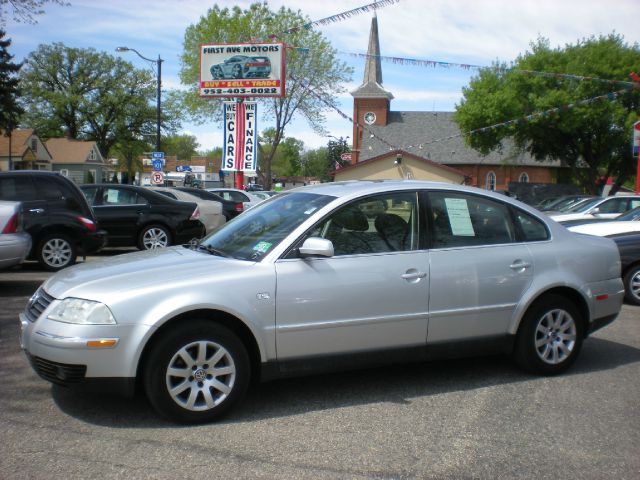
x: 93, y: 242
x: 74, y: 355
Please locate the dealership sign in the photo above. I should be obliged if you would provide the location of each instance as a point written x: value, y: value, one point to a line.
x: 242, y: 70
x: 240, y: 147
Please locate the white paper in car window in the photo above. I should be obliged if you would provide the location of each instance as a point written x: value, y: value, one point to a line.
x: 112, y: 196
x: 459, y: 217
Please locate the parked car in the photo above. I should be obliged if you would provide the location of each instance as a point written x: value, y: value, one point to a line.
x: 599, y: 207
x: 625, y: 223
x: 137, y: 216
x: 15, y: 243
x: 242, y: 66
x: 248, y: 199
x: 559, y: 204
x: 264, y: 195
x: 306, y: 282
x: 230, y: 209
x: 254, y: 187
x: 211, y: 214
x: 629, y: 247
x: 56, y: 215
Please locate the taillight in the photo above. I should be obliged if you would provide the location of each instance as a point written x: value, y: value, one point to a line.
x: 89, y: 224
x: 196, y: 214
x: 12, y: 225
x: 239, y: 207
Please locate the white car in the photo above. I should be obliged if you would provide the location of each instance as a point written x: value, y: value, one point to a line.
x: 601, y: 207
x: 626, y: 223
x: 211, y: 214
x: 248, y: 199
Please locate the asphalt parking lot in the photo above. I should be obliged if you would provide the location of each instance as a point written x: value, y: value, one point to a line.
x: 472, y: 418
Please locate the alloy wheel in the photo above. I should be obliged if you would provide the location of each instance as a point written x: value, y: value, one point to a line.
x: 555, y: 336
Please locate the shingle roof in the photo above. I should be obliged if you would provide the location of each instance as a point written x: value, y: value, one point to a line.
x: 415, y: 132
x: 65, y: 150
x: 19, y: 142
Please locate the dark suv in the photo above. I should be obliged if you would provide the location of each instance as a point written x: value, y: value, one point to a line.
x: 56, y: 214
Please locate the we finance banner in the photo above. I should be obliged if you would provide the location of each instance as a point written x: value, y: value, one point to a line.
x: 240, y: 149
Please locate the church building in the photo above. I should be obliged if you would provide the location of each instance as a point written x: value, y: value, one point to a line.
x: 393, y: 144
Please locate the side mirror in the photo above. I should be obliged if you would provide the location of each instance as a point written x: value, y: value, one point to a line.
x: 595, y: 211
x: 316, y: 247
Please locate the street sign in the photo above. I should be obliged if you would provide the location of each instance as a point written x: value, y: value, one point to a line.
x: 157, y: 155
x: 183, y: 168
x: 157, y: 165
x: 345, y: 156
x: 157, y: 178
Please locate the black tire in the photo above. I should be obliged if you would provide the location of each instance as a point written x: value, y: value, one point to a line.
x: 154, y: 236
x: 56, y: 251
x: 216, y: 73
x: 632, y: 285
x: 550, y: 336
x: 202, y: 390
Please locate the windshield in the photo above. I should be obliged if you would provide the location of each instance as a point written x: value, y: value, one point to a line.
x: 583, y: 206
x: 630, y: 215
x: 253, y: 234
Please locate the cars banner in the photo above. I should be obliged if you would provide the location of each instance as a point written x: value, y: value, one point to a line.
x: 240, y: 148
x: 242, y: 70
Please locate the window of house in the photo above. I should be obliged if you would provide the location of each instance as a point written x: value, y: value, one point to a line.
x: 524, y: 178
x: 461, y: 220
x: 34, y: 145
x: 490, y: 183
x: 64, y: 172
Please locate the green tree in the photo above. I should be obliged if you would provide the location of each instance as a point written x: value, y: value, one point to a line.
x: 314, y: 74
x: 183, y: 146
x: 335, y: 149
x: 25, y: 11
x: 592, y: 139
x: 128, y: 151
x: 10, y: 110
x: 315, y: 163
x: 88, y: 95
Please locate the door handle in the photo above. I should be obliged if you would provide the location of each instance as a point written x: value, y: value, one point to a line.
x: 413, y: 275
x: 36, y: 210
x: 519, y: 265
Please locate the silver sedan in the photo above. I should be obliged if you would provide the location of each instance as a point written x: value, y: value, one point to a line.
x: 312, y: 280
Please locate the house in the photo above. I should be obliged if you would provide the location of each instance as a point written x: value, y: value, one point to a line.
x: 79, y: 160
x: 23, y: 150
x: 426, y: 139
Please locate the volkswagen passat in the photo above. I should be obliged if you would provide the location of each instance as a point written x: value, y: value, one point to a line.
x: 307, y: 281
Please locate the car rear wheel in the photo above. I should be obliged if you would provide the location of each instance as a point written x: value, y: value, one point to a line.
x: 196, y: 372
x: 632, y: 285
x: 154, y: 236
x: 550, y: 336
x: 237, y: 71
x: 56, y: 251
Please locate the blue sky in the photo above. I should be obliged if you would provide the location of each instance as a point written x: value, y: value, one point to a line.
x: 475, y: 32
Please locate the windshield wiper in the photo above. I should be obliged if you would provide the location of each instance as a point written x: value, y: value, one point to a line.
x: 212, y: 250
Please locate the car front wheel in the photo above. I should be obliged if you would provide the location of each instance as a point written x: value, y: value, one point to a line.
x: 197, y: 372
x: 56, y: 251
x: 550, y: 336
x: 154, y: 236
x: 632, y: 285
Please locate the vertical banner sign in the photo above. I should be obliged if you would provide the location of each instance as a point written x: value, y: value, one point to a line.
x: 240, y: 136
x: 636, y: 152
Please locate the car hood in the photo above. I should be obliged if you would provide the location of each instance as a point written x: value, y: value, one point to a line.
x: 607, y: 228
x: 138, y: 271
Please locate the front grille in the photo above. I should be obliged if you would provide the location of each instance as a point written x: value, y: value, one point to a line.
x: 37, y: 304
x: 58, y: 373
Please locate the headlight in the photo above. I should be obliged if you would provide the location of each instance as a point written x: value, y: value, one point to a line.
x: 82, y: 312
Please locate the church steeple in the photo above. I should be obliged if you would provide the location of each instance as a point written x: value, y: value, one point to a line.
x: 370, y: 100
x: 372, y: 82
